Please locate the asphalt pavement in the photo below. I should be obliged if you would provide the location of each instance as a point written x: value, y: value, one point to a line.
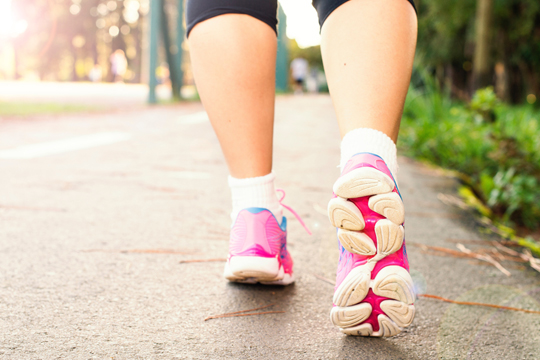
x: 97, y: 211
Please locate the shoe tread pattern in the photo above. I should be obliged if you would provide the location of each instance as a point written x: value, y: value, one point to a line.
x: 392, y: 282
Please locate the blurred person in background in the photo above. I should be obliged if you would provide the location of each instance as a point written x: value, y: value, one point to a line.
x: 118, y: 65
x: 299, y: 70
x: 368, y: 49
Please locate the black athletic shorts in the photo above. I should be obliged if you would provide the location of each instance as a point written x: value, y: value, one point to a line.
x: 264, y: 10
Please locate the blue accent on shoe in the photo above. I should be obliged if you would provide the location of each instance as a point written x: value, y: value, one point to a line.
x: 283, y: 225
x: 365, y: 152
x: 256, y: 210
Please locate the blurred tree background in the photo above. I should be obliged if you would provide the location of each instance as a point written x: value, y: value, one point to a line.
x: 447, y: 42
x: 447, y: 46
x: 64, y: 39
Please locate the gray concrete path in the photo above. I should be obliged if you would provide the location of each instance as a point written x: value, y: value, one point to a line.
x: 81, y: 276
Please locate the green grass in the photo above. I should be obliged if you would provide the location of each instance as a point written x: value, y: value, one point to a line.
x: 493, y: 146
x: 22, y: 109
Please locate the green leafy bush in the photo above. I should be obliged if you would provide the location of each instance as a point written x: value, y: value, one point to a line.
x: 483, y: 104
x: 496, y: 147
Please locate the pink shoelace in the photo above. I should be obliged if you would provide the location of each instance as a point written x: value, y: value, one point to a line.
x: 291, y: 210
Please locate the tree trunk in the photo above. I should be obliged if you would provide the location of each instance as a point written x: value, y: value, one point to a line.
x: 174, y: 74
x: 481, y: 62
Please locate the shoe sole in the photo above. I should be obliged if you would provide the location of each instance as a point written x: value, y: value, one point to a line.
x: 392, y: 282
x: 254, y: 269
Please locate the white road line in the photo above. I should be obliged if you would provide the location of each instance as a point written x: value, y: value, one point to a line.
x: 62, y: 146
x: 196, y: 118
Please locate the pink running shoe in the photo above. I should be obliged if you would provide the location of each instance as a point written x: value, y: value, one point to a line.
x: 258, y: 248
x: 374, y: 293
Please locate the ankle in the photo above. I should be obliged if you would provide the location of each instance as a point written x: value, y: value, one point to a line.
x: 369, y: 141
x: 255, y: 192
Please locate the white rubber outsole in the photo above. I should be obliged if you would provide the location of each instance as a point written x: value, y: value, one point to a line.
x: 362, y: 182
x: 388, y: 205
x: 392, y: 282
x: 253, y: 269
x: 344, y: 214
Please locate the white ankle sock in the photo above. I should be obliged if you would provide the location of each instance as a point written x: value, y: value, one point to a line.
x: 371, y: 141
x: 255, y: 192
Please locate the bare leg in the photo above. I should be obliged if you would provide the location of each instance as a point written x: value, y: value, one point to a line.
x: 234, y: 60
x: 368, y: 49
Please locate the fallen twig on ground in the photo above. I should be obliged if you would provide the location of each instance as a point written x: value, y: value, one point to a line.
x: 508, y: 266
x: 506, y: 249
x: 487, y: 255
x: 258, y: 313
x: 484, y: 257
x: 477, y: 304
x: 324, y: 279
x: 514, y: 255
x: 492, y: 225
x: 526, y: 256
x: 534, y: 262
x: 497, y: 254
x: 141, y: 251
x: 242, y: 313
x: 467, y: 241
x: 201, y: 260
x: 451, y: 252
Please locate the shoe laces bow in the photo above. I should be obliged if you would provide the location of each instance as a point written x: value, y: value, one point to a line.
x: 282, y: 192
